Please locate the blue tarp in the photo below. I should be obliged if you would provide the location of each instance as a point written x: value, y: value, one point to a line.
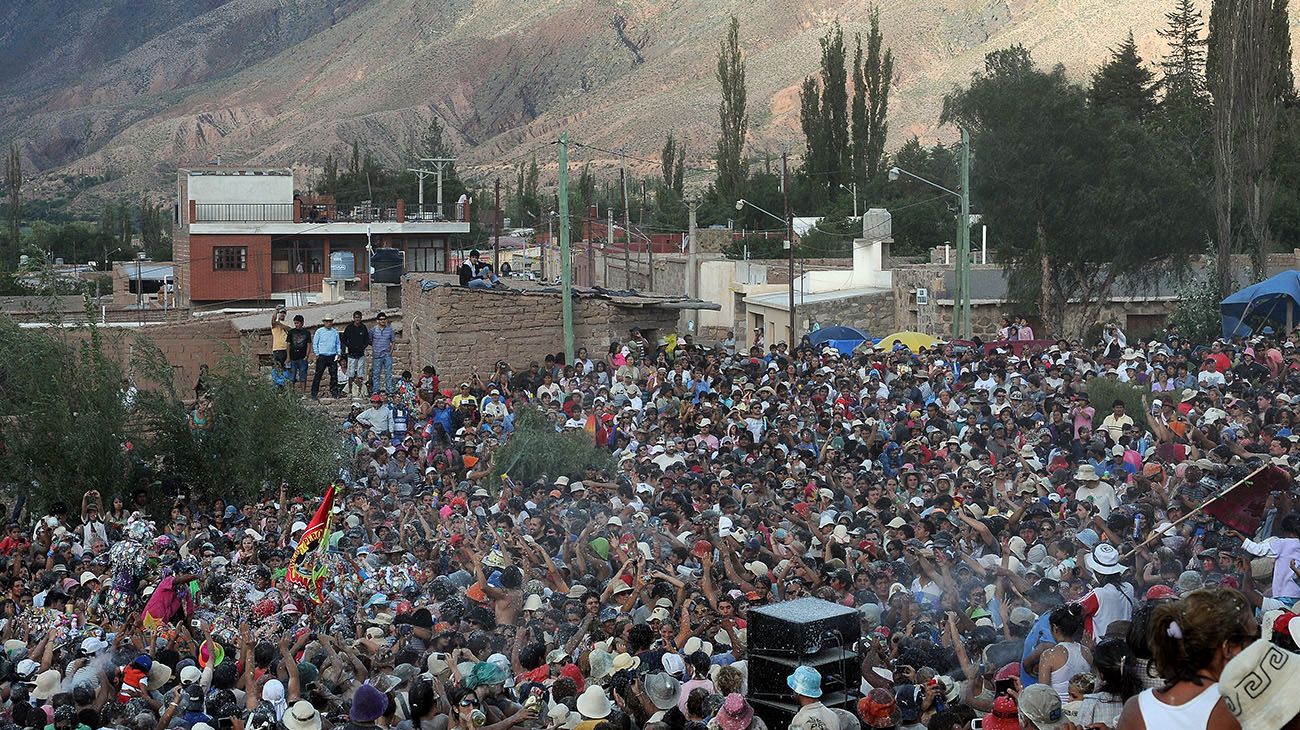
x: 1275, y: 299
x: 844, y: 339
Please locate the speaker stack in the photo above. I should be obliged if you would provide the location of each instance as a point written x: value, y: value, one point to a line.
x: 809, y: 632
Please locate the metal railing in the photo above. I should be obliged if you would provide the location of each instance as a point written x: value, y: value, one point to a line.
x: 243, y: 212
x: 303, y: 212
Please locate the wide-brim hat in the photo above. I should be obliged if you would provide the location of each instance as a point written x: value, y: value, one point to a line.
x: 46, y: 684
x: 301, y: 716
x: 368, y: 704
x: 663, y: 689
x: 805, y: 681
x: 1257, y: 686
x: 735, y: 713
x: 1087, y: 473
x: 878, y: 709
x: 594, y: 704
x: 1104, y: 559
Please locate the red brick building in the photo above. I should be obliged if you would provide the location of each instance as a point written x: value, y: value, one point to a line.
x: 243, y: 236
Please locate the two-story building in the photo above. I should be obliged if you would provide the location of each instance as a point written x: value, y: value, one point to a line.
x: 244, y: 237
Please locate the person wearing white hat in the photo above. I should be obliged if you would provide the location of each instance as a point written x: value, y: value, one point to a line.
x: 594, y: 704
x: 1090, y: 488
x: 1114, y: 598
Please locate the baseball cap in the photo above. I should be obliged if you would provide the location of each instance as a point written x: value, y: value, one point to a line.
x: 1040, y: 705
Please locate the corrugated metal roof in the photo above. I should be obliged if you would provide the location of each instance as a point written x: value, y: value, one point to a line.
x: 149, y: 272
x: 781, y: 299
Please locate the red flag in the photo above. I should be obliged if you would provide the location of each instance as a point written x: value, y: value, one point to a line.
x: 307, y: 566
x: 1242, y: 506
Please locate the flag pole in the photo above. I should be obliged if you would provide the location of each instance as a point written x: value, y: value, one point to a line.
x: 1195, y: 511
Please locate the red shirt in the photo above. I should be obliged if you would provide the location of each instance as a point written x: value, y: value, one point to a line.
x: 543, y: 673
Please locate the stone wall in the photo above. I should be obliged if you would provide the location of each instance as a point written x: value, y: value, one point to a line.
x: 459, y: 330
x: 873, y: 314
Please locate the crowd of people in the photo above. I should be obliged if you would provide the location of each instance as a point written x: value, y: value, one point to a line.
x: 1018, y: 554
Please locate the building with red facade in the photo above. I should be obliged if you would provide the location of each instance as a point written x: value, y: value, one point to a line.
x: 243, y: 237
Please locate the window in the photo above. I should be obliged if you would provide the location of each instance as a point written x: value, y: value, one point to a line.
x: 426, y: 254
x: 230, y: 258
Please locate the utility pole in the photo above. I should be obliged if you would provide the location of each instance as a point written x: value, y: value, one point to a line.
x: 496, y: 230
x: 627, y: 223
x: 609, y: 241
x: 963, y: 243
x: 692, y: 260
x: 789, y: 239
x: 566, y: 271
x: 591, y: 244
x: 550, y: 219
x: 438, y: 164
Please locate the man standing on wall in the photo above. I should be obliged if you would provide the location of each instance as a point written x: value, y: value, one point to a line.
x: 381, y: 355
x: 325, y: 343
x: 279, y: 338
x: 299, y: 342
x: 356, y: 338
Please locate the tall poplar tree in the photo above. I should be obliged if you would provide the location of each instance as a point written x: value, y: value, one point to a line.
x: 732, y: 116
x: 878, y: 75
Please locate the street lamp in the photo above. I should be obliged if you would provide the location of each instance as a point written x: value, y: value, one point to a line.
x: 853, y: 190
x: 789, y: 247
x: 961, y: 316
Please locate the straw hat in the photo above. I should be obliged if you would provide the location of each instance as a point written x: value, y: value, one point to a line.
x: 302, y: 716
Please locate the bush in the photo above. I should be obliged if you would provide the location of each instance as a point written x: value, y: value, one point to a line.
x: 257, y: 437
x: 1197, y: 316
x: 1102, y: 392
x: 66, y: 428
x: 536, y: 449
x: 63, y: 423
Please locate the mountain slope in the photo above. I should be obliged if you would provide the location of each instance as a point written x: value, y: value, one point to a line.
x: 139, y: 86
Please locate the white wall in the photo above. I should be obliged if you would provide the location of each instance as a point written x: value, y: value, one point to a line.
x: 232, y: 187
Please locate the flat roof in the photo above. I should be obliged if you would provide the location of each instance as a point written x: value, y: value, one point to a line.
x: 354, y: 229
x: 781, y: 300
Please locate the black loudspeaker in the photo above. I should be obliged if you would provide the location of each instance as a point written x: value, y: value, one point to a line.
x: 388, y: 264
x: 802, y: 626
x: 809, y: 632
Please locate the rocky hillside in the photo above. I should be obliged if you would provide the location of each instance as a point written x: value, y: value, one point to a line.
x: 139, y: 86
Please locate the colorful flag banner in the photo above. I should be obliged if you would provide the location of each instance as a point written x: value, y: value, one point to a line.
x: 1242, y: 507
x: 308, y: 564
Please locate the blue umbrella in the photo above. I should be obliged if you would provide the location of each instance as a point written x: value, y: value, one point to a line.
x: 837, y: 332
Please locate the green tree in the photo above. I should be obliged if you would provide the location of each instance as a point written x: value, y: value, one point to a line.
x: 858, y: 115
x: 257, y: 436
x: 1184, y: 119
x: 1083, y: 199
x: 878, y: 76
x: 1280, y: 35
x: 1183, y: 66
x: 14, y: 186
x: 536, y: 449
x: 62, y: 435
x: 733, y: 118
x: 835, y: 110
x: 668, y: 160
x: 813, y: 124
x: 1244, y: 60
x: 1124, y: 83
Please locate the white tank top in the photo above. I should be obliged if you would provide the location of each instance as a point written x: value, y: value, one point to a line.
x: 1074, y: 664
x: 1194, y: 715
